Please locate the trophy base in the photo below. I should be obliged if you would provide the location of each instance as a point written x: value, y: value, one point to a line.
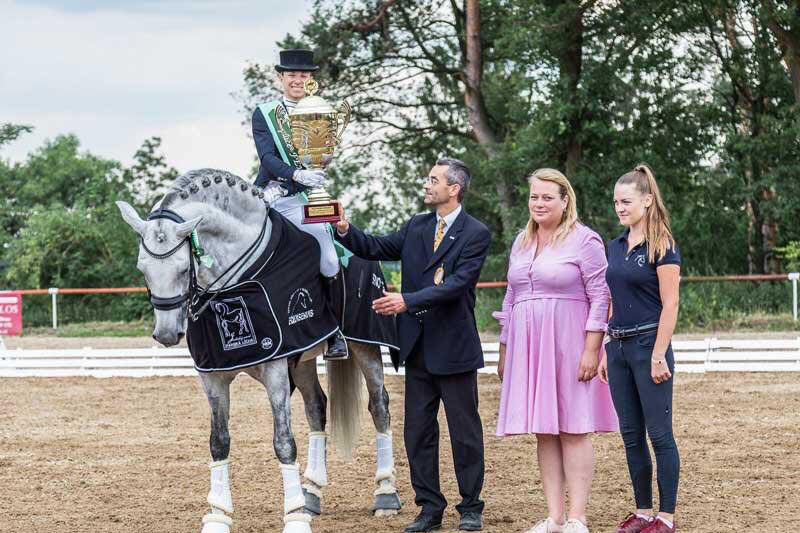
x: 321, y: 212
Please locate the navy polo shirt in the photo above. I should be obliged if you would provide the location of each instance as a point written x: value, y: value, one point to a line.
x: 633, y: 282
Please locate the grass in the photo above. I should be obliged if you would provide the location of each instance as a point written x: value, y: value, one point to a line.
x: 744, y: 323
x: 93, y: 329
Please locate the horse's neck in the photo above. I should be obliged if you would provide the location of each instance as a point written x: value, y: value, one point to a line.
x: 225, y: 238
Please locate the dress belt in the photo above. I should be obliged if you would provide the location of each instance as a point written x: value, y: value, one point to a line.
x: 622, y: 333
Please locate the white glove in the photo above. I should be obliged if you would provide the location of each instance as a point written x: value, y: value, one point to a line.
x: 273, y: 191
x: 310, y: 178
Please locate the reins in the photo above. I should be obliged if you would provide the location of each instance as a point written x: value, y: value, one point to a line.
x: 195, y: 292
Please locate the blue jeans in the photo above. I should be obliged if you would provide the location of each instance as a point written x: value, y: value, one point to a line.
x: 644, y: 408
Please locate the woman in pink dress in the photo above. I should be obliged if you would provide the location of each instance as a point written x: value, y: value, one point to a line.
x: 553, y: 320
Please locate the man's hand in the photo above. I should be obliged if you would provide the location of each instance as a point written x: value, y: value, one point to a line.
x: 343, y: 226
x: 310, y: 178
x: 390, y: 304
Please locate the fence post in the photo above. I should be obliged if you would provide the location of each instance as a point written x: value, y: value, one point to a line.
x: 54, y: 305
x: 794, y: 276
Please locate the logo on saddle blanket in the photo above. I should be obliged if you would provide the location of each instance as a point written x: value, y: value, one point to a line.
x: 300, y: 306
x: 234, y: 324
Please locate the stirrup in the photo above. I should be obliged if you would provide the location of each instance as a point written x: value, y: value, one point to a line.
x: 327, y: 356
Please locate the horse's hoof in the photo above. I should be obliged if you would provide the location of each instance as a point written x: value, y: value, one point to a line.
x: 216, y: 523
x: 387, y: 505
x: 313, y: 504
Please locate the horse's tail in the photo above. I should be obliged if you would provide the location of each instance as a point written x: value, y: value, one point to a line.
x: 344, y: 390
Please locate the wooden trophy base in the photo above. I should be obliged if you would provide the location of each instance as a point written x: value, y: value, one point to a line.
x: 321, y: 212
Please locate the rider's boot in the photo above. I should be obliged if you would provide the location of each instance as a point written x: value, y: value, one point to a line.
x: 337, y: 345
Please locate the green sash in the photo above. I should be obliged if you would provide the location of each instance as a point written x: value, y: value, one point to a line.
x: 268, y: 110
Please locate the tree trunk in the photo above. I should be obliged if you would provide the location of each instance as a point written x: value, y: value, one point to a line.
x: 570, y: 64
x: 567, y: 47
x: 789, y: 40
x: 477, y: 113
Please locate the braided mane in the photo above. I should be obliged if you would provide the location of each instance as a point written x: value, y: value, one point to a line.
x: 219, y: 188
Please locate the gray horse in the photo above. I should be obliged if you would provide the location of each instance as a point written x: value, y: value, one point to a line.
x: 228, y: 215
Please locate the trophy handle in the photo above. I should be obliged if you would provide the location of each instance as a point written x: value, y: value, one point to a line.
x: 284, y: 126
x: 343, y: 116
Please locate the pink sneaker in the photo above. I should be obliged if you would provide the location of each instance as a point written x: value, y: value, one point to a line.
x: 657, y: 526
x: 633, y: 524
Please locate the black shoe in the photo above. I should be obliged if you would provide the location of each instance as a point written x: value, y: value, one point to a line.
x: 425, y: 522
x: 337, y: 348
x: 471, y: 521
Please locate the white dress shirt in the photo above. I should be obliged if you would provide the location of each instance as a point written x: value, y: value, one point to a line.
x: 448, y: 220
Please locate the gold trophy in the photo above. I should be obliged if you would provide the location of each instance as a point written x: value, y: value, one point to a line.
x: 316, y: 129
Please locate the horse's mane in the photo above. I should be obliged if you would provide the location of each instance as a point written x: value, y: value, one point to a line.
x: 219, y: 188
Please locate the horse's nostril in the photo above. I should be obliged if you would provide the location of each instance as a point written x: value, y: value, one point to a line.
x: 181, y: 335
x: 154, y: 337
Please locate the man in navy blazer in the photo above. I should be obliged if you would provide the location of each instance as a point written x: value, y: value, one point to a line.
x: 441, y: 255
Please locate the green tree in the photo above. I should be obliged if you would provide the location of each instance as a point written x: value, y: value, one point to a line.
x: 11, y: 132
x: 150, y: 173
x: 754, y: 112
x: 588, y: 87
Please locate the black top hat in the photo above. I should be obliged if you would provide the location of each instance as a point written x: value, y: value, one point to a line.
x: 296, y: 60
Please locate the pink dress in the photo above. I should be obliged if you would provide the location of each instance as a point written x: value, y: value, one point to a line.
x: 550, y: 304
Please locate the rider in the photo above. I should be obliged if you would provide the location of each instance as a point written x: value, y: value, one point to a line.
x: 285, y: 181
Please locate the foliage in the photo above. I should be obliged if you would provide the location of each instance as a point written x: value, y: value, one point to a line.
x: 589, y: 87
x: 11, y: 132
x: 59, y: 226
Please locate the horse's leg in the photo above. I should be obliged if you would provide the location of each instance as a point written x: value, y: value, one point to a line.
x: 316, y: 474
x: 217, y: 387
x: 275, y: 378
x: 368, y: 358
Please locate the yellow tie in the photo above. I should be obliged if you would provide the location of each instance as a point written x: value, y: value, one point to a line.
x: 439, y: 234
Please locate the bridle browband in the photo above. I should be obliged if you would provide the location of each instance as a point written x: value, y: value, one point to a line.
x: 195, y: 292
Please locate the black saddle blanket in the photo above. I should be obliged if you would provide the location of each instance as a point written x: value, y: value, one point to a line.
x: 276, y: 310
x: 362, y: 282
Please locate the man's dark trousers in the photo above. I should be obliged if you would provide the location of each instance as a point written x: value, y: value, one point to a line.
x: 459, y: 393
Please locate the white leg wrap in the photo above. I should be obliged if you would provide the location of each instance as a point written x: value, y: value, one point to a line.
x: 386, y: 486
x: 311, y: 488
x: 219, y: 497
x: 216, y: 522
x: 297, y: 523
x: 317, y: 467
x: 293, y: 499
x: 385, y: 458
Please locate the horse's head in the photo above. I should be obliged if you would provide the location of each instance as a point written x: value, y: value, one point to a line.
x: 165, y: 260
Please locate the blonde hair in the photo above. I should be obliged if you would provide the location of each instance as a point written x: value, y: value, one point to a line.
x: 569, y: 219
x: 657, y: 231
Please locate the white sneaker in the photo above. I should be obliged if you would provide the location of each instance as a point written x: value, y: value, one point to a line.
x: 546, y: 526
x: 574, y: 525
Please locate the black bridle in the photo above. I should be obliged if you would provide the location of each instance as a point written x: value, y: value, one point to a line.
x: 175, y: 302
x: 195, y: 292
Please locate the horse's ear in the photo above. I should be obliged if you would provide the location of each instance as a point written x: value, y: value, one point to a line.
x: 184, y: 229
x: 131, y: 217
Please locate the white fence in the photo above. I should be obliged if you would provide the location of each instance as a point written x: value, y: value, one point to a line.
x: 709, y: 355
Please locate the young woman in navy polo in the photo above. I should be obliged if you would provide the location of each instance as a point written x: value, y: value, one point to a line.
x: 643, y: 277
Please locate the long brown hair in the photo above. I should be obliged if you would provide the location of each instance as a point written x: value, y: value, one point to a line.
x: 570, y: 217
x: 657, y: 231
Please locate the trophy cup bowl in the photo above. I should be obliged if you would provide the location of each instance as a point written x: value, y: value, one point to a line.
x: 316, y: 129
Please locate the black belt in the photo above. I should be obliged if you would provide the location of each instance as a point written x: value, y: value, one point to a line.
x: 621, y: 333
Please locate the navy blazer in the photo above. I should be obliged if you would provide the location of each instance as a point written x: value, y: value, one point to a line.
x: 443, y: 314
x: 273, y: 166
